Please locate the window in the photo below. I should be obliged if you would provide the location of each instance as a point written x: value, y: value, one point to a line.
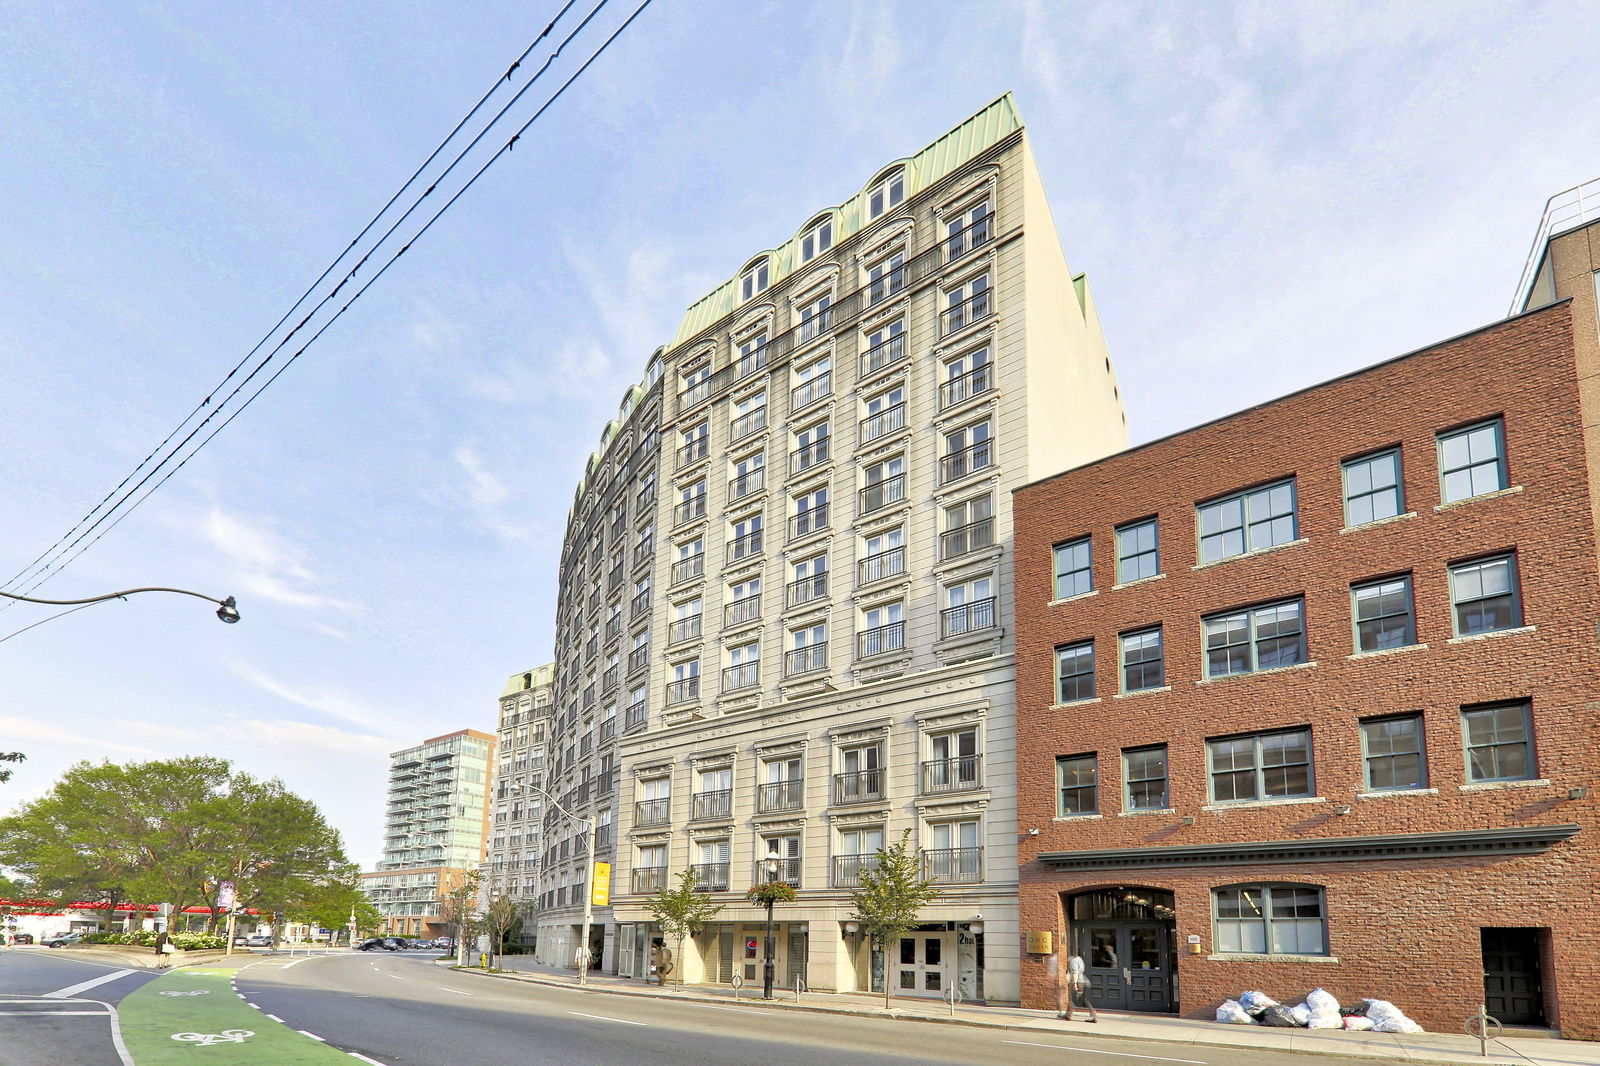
x: 1138, y: 556
x: 691, y: 559
x: 694, y: 385
x: 1383, y: 614
x: 713, y: 793
x: 966, y: 303
x: 810, y: 448
x: 685, y: 685
x: 968, y: 374
x: 886, y: 484
x: 744, y: 602
x: 749, y: 474
x: 1499, y: 742
x: 754, y: 279
x: 782, y: 786
x: 1472, y: 461
x: 1075, y: 672
x: 810, y: 512
x: 883, y: 629
x: 809, y: 580
x: 952, y: 762
x: 744, y: 666
x: 1372, y: 488
x: 955, y: 854
x: 745, y: 540
x: 969, y: 606
x: 650, y: 868
x: 968, y: 229
x: 816, y: 239
x: 1258, y: 638
x: 886, y: 277
x: 1142, y: 665
x: 748, y: 415
x: 858, y: 850
x: 1270, y: 920
x: 812, y: 382
x: 1074, y: 573
x: 886, y: 193
x: 711, y: 871
x: 886, y: 412
x: 686, y: 617
x: 816, y: 317
x: 969, y: 525
x: 787, y: 846
x: 691, y: 502
x: 808, y: 649
x: 1483, y: 594
x: 1144, y: 777
x: 1265, y: 766
x: 752, y: 354
x: 966, y: 450
x: 1247, y: 522
x: 883, y: 555
x: 861, y: 774
x: 1391, y: 750
x: 1076, y: 784
x: 884, y: 345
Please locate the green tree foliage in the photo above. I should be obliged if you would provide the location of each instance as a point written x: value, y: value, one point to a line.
x: 331, y: 909
x: 890, y: 895
x: 456, y: 907
x: 10, y: 756
x: 502, y: 916
x: 170, y: 831
x: 681, y: 911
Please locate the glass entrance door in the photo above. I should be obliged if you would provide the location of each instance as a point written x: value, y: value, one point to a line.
x: 921, y: 965
x: 1129, y: 966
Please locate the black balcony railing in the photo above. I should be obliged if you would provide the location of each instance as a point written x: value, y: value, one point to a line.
x: 788, y: 872
x: 608, y: 680
x: 886, y: 285
x: 807, y: 393
x: 649, y: 878
x: 745, y: 675
x: 883, y: 354
x: 806, y: 589
x: 608, y: 728
x: 748, y: 423
x: 637, y: 715
x: 683, y: 629
x: 805, y: 660
x: 753, y: 360
x: 951, y: 775
x: 710, y: 876
x: 652, y: 811
x: 683, y: 691
x: 689, y: 567
x: 959, y: 464
x: 880, y: 639
x: 809, y: 520
x: 970, y: 236
x: 614, y: 579
x: 960, y: 866
x: 847, y: 869
x: 881, y: 494
x: 858, y: 786
x: 690, y: 509
x: 816, y: 324
x: 613, y: 628
x: 968, y: 617
x: 881, y: 565
x: 742, y: 610
x: 781, y: 795
x: 967, y: 538
x: 641, y: 606
x: 744, y: 547
x: 714, y: 804
x: 693, y: 452
x: 644, y: 551
x: 960, y: 315
x: 639, y: 658
x: 884, y: 422
x: 745, y: 484
x: 813, y: 454
x: 978, y: 380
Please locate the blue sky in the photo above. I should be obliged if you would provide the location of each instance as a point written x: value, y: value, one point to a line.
x: 1263, y: 196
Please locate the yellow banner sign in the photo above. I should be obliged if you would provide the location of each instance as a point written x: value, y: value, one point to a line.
x: 600, y: 894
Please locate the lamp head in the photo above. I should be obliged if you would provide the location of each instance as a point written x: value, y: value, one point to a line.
x: 228, y: 611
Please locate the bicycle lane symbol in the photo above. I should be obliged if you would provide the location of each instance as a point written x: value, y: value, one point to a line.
x: 227, y: 1036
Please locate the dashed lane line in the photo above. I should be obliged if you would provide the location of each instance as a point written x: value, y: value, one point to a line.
x: 602, y: 1018
x: 457, y: 991
x: 1097, y: 1051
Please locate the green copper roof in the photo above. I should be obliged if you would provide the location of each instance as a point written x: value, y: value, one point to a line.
x: 945, y: 155
x: 529, y: 679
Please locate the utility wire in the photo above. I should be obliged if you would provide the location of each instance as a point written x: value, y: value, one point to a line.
x: 503, y: 150
x: 409, y: 182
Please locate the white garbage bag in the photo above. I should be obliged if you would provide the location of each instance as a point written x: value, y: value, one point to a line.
x: 1255, y: 1002
x: 1232, y: 1014
x: 1323, y: 1009
x: 1359, y: 1023
x: 1387, y: 1018
x: 1301, y: 1014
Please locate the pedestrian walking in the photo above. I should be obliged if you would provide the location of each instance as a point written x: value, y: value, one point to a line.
x: 1076, y: 986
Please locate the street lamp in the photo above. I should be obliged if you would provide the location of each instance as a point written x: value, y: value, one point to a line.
x: 772, y: 861
x: 227, y: 609
x: 582, y: 954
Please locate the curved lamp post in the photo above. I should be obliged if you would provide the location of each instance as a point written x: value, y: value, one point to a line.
x: 581, y: 956
x: 771, y: 864
x: 227, y: 609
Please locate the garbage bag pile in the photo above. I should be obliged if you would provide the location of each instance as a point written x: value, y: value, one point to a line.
x: 1319, y: 1011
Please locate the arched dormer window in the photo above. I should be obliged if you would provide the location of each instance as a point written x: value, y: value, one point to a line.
x: 755, y: 278
x: 886, y: 192
x: 816, y: 238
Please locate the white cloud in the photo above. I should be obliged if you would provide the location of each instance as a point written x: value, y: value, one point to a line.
x: 332, y: 703
x: 269, y: 565
x: 486, y: 490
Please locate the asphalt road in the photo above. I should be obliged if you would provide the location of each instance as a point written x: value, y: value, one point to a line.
x: 56, y: 1010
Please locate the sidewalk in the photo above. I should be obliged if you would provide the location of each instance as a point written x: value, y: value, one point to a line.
x: 1387, y: 1047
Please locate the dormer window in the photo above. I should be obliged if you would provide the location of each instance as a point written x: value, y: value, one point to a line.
x: 753, y: 280
x: 816, y: 239
x: 886, y: 193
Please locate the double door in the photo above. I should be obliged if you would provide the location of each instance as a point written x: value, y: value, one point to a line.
x: 1129, y: 964
x: 1511, y: 978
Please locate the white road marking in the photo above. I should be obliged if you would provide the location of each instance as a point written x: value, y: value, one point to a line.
x: 72, y: 990
x: 734, y: 1010
x: 313, y: 1036
x: 397, y: 977
x: 363, y: 1058
x: 42, y: 1013
x: 277, y: 1019
x: 457, y: 991
x: 1094, y: 1051
x: 599, y: 1018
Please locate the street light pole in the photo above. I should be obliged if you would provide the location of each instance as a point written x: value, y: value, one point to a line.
x: 227, y: 609
x: 581, y: 956
x: 773, y: 858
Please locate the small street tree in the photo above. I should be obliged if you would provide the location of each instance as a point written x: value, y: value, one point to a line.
x: 456, y: 907
x: 502, y: 915
x: 889, y: 897
x: 681, y: 911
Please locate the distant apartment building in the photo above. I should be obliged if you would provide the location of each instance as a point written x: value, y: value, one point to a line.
x: 785, y: 624
x: 1307, y: 694
x: 511, y: 865
x: 435, y: 828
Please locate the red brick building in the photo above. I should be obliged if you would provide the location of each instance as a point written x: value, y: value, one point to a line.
x: 1307, y: 696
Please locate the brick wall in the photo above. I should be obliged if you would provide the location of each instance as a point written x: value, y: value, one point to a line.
x: 1404, y: 930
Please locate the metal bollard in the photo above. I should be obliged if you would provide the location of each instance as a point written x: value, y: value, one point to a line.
x: 737, y: 982
x: 799, y: 987
x: 1484, y: 1027
x: 952, y: 996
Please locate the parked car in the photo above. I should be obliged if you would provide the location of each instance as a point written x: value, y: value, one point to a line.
x: 23, y: 938
x: 62, y: 940
x: 260, y: 940
x: 444, y: 943
x: 381, y: 943
x: 419, y: 945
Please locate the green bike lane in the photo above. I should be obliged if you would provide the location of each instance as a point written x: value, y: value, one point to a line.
x: 197, y: 1015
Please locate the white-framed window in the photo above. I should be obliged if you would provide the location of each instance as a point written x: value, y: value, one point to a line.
x: 953, y: 761
x: 810, y: 447
x: 711, y: 869
x: 691, y: 559
x: 782, y: 784
x: 808, y: 649
x: 968, y: 526
x: 1247, y: 521
x: 685, y: 684
x: 747, y: 415
x: 817, y: 238
x: 883, y: 629
x: 882, y: 555
x: 955, y: 852
x: 1265, y: 637
x: 686, y: 620
x: 744, y: 666
x: 884, y: 345
x: 860, y: 773
x: 967, y: 450
x: 885, y: 484
x: 694, y: 385
x: 1472, y: 460
x: 809, y: 580
x: 966, y: 375
x: 1498, y: 739
x: 787, y: 848
x: 886, y: 193
x: 886, y: 277
x: 1484, y: 595
x: 1269, y: 920
x: 747, y: 474
x: 745, y: 537
x: 966, y: 303
x: 752, y: 353
x: 967, y: 229
x: 885, y: 413
x: 1138, y: 551
x: 810, y: 512
x: 1142, y: 663
x: 754, y: 279
x: 812, y: 382
x: 816, y: 316
x: 969, y: 606
x: 1373, y: 489
x: 744, y: 601
x: 1262, y: 766
x: 691, y: 502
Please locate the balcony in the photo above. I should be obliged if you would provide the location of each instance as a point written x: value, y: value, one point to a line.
x: 813, y: 454
x: 683, y: 629
x: 648, y: 879
x: 717, y: 803
x: 614, y: 579
x: 602, y: 838
x: 884, y: 422
x: 694, y: 393
x: 881, y: 494
x: 744, y: 485
x: 641, y: 606
x: 968, y: 460
x: 710, y: 876
x: 953, y: 866
x: 883, y: 564
x: 608, y: 679
x: 689, y: 510
x: 689, y: 567
x: 781, y: 795
x: 975, y: 233
x: 644, y: 551
x: 744, y: 547
x: 809, y: 521
x: 806, y: 589
x: 882, y: 354
x: 646, y: 497
x: 637, y: 716
x: 639, y: 658
x: 788, y: 872
x: 815, y: 325
x: 745, y: 675
x: 951, y: 775
x: 613, y: 628
x: 685, y: 691
x: 887, y: 285
x: 968, y: 617
x: 741, y: 611
x: 959, y: 316
x: 748, y: 423
x: 967, y: 538
x: 608, y: 729
x: 847, y: 869
x: 691, y: 453
x: 652, y: 811
x: 806, y: 660
x: 809, y: 392
x: 880, y: 640
x: 858, y: 786
x: 975, y: 382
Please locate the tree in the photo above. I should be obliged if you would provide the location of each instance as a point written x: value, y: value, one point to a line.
x: 681, y: 911
x: 10, y: 756
x: 891, y: 893
x: 332, y: 910
x: 455, y: 906
x: 502, y: 915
